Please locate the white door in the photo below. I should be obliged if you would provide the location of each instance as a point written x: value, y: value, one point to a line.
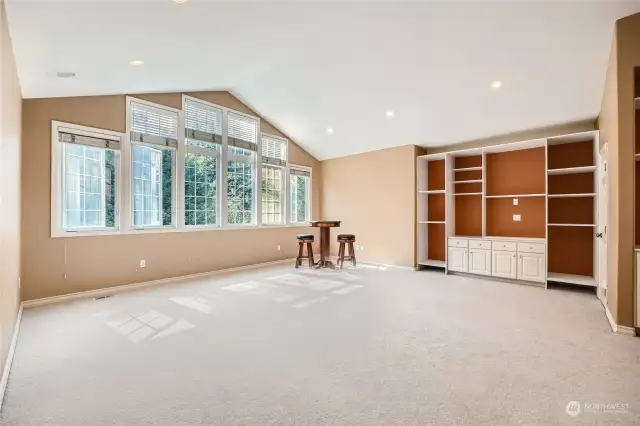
x: 457, y: 259
x: 601, y: 229
x: 503, y: 264
x: 531, y: 267
x: 480, y: 261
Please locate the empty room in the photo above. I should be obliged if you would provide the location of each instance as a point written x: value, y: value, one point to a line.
x: 319, y: 213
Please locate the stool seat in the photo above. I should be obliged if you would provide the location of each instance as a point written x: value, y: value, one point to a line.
x: 305, y: 237
x: 346, y: 237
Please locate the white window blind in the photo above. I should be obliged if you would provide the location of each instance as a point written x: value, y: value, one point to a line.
x: 202, y: 122
x: 242, y: 132
x: 274, y: 151
x: 154, y: 125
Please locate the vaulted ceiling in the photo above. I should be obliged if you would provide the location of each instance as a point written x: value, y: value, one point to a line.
x: 310, y: 66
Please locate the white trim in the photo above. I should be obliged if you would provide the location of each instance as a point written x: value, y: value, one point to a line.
x: 7, y: 365
x: 389, y: 265
x: 194, y: 228
x: 136, y: 286
x: 620, y: 329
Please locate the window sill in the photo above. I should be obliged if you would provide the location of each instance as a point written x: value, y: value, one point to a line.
x: 184, y: 229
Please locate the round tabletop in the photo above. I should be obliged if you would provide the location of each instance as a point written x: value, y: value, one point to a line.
x: 326, y: 223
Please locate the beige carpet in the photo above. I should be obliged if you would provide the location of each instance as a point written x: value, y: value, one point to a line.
x: 365, y: 346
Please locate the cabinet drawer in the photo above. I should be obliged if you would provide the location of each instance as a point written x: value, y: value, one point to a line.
x: 457, y: 242
x: 531, y: 248
x: 479, y: 244
x: 504, y: 245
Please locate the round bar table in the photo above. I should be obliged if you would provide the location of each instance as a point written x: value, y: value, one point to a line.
x: 325, y: 241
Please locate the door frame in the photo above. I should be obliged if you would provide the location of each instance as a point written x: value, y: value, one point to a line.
x: 603, y: 219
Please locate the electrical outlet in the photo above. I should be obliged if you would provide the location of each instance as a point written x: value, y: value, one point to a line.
x: 278, y: 247
x: 515, y: 201
x: 516, y: 218
x: 143, y: 264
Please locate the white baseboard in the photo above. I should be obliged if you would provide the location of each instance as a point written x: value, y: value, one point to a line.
x: 620, y: 329
x: 7, y: 365
x: 387, y: 265
x: 136, y: 286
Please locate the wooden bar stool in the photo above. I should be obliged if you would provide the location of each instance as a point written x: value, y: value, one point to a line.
x: 302, y: 240
x: 346, y: 239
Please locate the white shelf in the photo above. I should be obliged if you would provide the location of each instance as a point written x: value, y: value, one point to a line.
x: 437, y: 191
x: 516, y: 196
x: 468, y: 169
x: 467, y: 181
x: 572, y: 170
x: 431, y: 221
x: 572, y: 224
x: 571, y: 195
x: 572, y: 279
x: 438, y: 263
x: 469, y: 193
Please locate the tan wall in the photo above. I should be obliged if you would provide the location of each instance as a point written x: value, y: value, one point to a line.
x: 56, y: 266
x: 608, y: 126
x: 543, y: 132
x: 622, y: 163
x: 373, y: 194
x: 10, y: 111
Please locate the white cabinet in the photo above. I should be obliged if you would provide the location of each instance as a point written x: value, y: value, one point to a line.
x: 480, y: 261
x: 531, y: 267
x: 457, y: 259
x: 503, y: 264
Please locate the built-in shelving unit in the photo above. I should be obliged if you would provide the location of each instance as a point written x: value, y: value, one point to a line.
x: 432, y: 186
x: 534, y: 203
x: 572, y: 209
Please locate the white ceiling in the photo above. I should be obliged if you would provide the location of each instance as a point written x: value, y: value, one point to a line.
x: 306, y: 66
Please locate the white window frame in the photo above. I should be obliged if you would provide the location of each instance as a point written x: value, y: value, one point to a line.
x: 285, y: 178
x: 220, y: 183
x: 124, y: 178
x: 177, y: 169
x: 57, y: 169
x: 309, y: 201
x: 257, y: 171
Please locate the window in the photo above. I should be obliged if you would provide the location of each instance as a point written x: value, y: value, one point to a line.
x: 203, y: 140
x: 85, y: 167
x: 300, y: 194
x: 154, y: 139
x: 242, y: 140
x: 274, y: 161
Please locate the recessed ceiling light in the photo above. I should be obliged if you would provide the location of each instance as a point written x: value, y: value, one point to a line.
x: 136, y: 63
x: 180, y: 1
x: 391, y: 114
x: 330, y: 130
x: 66, y: 74
x: 496, y: 84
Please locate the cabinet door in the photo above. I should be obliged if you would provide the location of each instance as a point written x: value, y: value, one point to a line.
x: 457, y: 259
x: 480, y: 261
x: 531, y: 267
x: 503, y: 264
